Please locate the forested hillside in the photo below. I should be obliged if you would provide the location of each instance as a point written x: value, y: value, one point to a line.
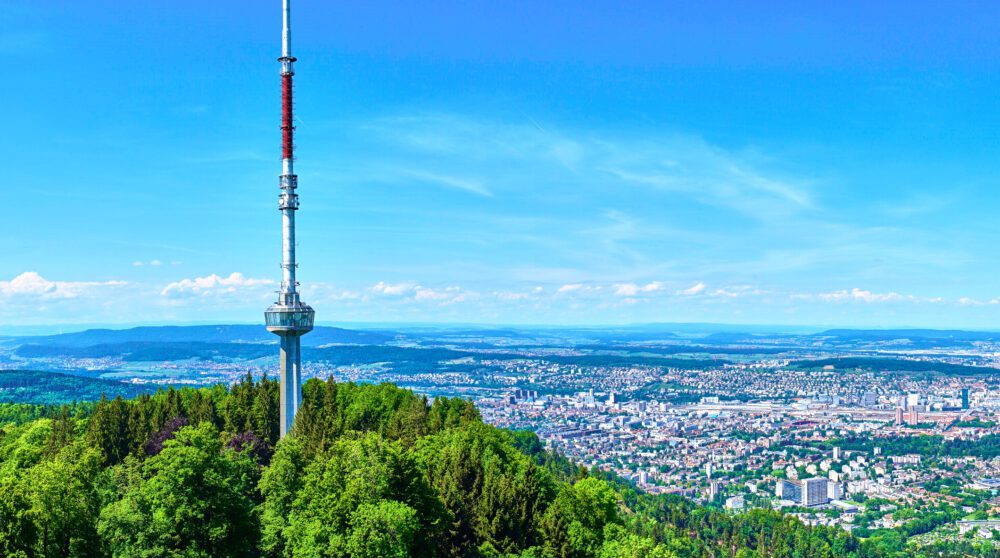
x: 369, y: 471
x: 53, y: 388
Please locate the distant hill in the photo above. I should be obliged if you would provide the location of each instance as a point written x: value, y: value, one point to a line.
x: 150, y: 351
x: 338, y: 355
x: 322, y: 335
x: 51, y: 388
x: 896, y: 365
x: 890, y: 334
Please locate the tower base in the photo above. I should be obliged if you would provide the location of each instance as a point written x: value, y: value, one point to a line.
x: 290, y: 387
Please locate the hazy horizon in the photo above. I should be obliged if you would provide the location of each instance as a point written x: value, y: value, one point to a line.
x: 690, y: 327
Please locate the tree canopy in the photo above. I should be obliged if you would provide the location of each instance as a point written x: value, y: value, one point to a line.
x: 367, y: 471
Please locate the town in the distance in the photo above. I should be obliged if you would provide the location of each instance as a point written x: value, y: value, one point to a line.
x: 864, y: 429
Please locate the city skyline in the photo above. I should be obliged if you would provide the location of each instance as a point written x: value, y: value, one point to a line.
x: 478, y: 165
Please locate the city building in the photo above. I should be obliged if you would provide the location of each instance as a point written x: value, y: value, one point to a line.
x: 808, y: 492
x: 714, y: 489
x: 791, y: 490
x: 815, y: 491
x: 835, y: 491
x: 735, y: 503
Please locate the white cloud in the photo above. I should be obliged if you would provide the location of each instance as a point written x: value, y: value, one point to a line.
x: 861, y: 295
x: 154, y: 263
x: 738, y: 291
x: 31, y: 283
x: 433, y: 294
x: 513, y: 296
x: 213, y: 284
x: 693, y: 289
x: 418, y: 293
x: 509, y: 296
x: 724, y: 293
x: 632, y: 289
x: 398, y: 289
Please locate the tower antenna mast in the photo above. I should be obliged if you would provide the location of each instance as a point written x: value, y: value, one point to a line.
x: 289, y: 317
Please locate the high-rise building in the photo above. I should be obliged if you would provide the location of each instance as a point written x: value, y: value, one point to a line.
x: 714, y: 489
x: 834, y: 491
x: 289, y: 317
x: 815, y: 491
x: 899, y: 416
x: 836, y: 454
x: 808, y: 492
x: 965, y: 398
x: 791, y: 490
x: 913, y: 417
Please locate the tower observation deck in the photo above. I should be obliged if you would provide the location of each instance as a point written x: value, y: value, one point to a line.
x: 289, y: 317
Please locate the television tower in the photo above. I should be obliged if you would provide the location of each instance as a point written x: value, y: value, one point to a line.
x: 289, y: 317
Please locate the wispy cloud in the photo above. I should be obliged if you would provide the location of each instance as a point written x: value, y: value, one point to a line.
x: 864, y: 296
x: 712, y: 180
x: 515, y: 154
x: 693, y: 289
x: 632, y: 289
x: 416, y: 292
x: 151, y: 263
x: 578, y: 288
x: 471, y: 186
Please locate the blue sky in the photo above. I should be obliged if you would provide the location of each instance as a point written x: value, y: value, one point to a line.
x: 505, y: 162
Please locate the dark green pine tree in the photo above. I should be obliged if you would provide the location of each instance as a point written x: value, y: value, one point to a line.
x: 237, y: 407
x: 264, y: 412
x: 63, y: 431
x: 201, y: 408
x: 109, y: 431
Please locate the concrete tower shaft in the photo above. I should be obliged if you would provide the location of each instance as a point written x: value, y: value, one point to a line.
x: 289, y: 317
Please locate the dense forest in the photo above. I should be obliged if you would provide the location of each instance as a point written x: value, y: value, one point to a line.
x: 53, y: 388
x: 896, y: 365
x: 368, y: 471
